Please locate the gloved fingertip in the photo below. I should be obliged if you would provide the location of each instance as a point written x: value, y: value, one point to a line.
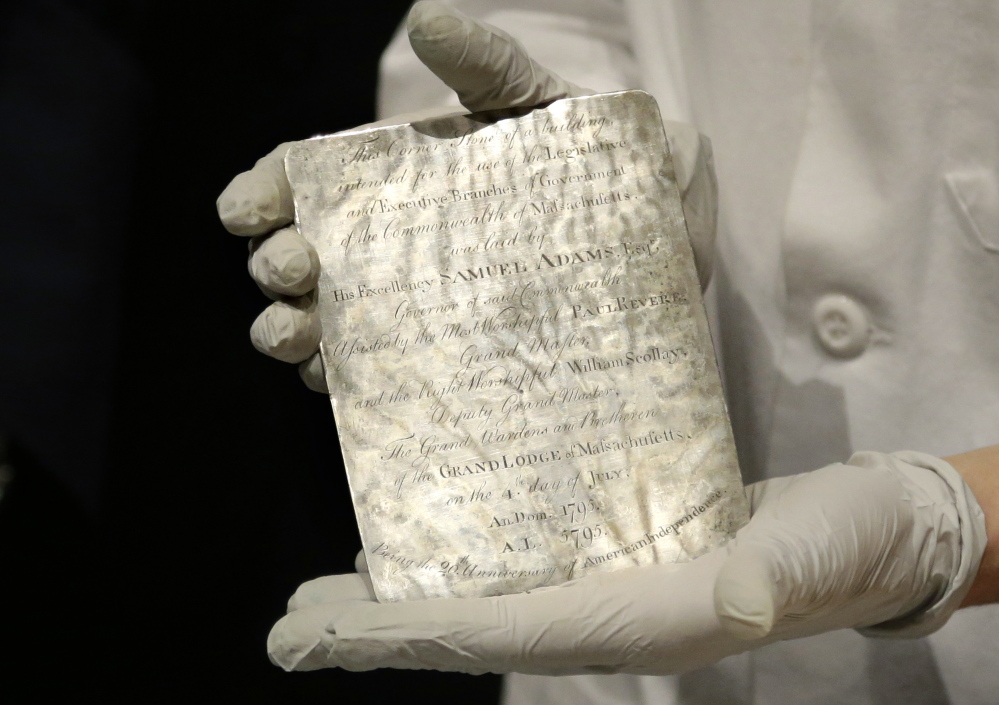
x: 362, y: 655
x: 440, y: 35
x: 430, y: 21
x: 330, y: 589
x: 312, y: 373
x: 287, y: 331
x: 744, y: 602
x: 259, y: 200
x: 249, y: 207
x: 745, y: 621
x: 288, y: 645
x: 235, y: 208
x: 485, y: 66
x: 285, y: 263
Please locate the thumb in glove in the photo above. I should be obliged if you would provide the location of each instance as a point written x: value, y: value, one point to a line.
x: 820, y: 553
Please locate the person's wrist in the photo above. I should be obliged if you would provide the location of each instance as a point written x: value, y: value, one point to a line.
x: 980, y: 471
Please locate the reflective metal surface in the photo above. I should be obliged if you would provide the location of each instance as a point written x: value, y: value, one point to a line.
x: 519, y: 363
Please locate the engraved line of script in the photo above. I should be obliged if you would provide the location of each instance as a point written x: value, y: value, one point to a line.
x: 469, y: 570
x: 392, y: 230
x: 623, y: 303
x: 629, y: 442
x: 668, y: 356
x: 542, y: 153
x: 542, y: 180
x: 650, y: 538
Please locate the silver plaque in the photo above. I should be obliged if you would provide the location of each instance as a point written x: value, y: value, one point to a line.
x: 515, y: 343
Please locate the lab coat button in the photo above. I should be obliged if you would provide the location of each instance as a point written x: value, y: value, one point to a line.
x: 841, y: 325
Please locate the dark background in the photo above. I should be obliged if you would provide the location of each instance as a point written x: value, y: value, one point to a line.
x: 166, y: 488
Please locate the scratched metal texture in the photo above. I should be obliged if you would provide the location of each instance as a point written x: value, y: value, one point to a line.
x: 514, y: 339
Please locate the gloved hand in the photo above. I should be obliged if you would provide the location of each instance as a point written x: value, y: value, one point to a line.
x: 886, y: 540
x: 489, y: 70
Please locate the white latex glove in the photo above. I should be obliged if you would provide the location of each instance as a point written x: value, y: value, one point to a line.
x: 488, y: 69
x: 888, y: 540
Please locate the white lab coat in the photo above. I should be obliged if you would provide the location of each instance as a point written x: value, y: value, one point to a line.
x: 855, y: 299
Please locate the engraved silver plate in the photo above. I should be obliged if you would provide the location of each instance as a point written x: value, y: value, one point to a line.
x: 516, y: 348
